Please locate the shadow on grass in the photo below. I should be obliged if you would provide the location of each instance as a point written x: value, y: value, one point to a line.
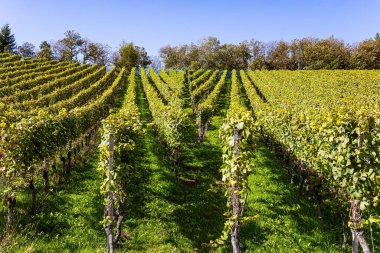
x: 288, y: 221
x: 67, y: 219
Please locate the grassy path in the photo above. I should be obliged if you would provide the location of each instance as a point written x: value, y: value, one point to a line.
x: 169, y: 216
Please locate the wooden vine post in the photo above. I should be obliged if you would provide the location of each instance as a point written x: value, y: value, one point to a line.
x: 235, y: 199
x: 235, y: 170
x: 357, y: 229
x: 201, y: 128
x: 237, y: 138
x: 11, y: 204
x: 45, y: 175
x: 108, y: 212
x: 356, y: 216
x: 119, y: 133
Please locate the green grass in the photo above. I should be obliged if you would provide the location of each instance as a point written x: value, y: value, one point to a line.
x: 67, y: 219
x: 163, y: 215
x: 287, y: 221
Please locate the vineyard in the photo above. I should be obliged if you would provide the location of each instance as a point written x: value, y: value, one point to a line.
x: 187, y: 161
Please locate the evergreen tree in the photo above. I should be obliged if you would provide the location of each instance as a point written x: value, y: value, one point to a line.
x: 45, y: 51
x: 7, y: 40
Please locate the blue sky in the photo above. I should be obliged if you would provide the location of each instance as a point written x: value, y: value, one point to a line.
x: 157, y: 23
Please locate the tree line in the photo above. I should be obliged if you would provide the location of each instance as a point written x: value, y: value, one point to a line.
x: 305, y: 53
x: 74, y: 47
x: 209, y: 53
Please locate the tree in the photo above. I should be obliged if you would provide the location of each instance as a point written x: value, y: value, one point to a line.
x: 305, y: 53
x: 169, y: 56
x: 45, y: 51
x: 278, y: 57
x: 302, y: 53
x: 193, y: 57
x: 175, y: 57
x: 259, y: 63
x: 156, y: 63
x: 58, y: 49
x: 334, y: 54
x: 95, y: 53
x: 7, y: 40
x: 242, y: 55
x: 85, y: 50
x: 295, y: 54
x: 68, y: 48
x: 27, y: 50
x: 257, y: 50
x: 328, y: 53
x: 208, y: 55
x: 231, y: 56
x: 143, y: 59
x: 130, y: 56
x: 224, y: 57
x: 367, y: 54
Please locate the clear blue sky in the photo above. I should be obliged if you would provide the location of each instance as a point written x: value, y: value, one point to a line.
x: 157, y: 23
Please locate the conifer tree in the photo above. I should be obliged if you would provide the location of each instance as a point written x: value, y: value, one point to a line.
x: 7, y: 40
